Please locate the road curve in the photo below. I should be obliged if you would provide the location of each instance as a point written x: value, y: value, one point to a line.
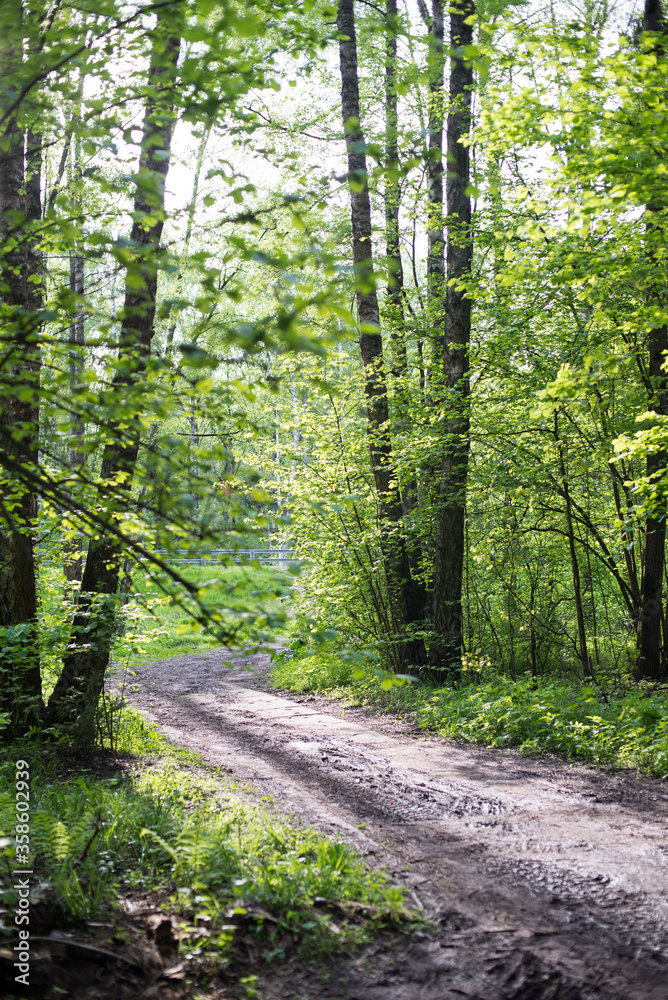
x: 546, y: 880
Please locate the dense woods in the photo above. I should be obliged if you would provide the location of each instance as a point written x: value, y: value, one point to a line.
x: 383, y: 283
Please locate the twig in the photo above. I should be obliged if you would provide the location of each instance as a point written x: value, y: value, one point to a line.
x: 96, y: 830
x: 89, y: 948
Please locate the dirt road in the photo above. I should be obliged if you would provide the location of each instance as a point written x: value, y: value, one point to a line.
x: 547, y: 880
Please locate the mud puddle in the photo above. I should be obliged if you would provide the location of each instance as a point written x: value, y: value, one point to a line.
x: 544, y: 879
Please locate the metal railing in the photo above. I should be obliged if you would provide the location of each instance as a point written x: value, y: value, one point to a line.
x: 269, y: 557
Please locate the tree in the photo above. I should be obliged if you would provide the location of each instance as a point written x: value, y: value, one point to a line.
x: 20, y: 209
x: 652, y: 659
x: 395, y: 556
x: 76, y: 694
x: 105, y: 409
x: 452, y: 376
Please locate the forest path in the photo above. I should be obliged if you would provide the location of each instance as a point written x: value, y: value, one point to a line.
x: 547, y: 880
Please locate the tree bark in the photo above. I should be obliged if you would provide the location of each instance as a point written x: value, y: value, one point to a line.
x: 395, y: 556
x: 435, y: 230
x: 20, y: 265
x: 74, y: 700
x: 395, y: 278
x: 192, y: 208
x: 415, y: 591
x: 651, y: 659
x: 446, y: 651
x: 72, y: 549
x: 575, y: 566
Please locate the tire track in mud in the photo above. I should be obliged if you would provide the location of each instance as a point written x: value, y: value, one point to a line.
x: 546, y: 880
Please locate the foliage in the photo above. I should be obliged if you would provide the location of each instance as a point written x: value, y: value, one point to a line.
x: 305, y: 670
x: 157, y: 627
x: 332, y: 505
x: 631, y: 731
x: 17, y: 650
x: 122, y: 405
x: 174, y: 828
x: 247, y: 405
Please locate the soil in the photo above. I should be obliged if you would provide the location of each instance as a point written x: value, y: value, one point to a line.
x: 543, y: 879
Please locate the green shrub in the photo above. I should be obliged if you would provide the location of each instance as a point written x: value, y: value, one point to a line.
x: 628, y: 731
x: 317, y: 671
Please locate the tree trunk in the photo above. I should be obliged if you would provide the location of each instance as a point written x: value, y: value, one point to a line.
x: 651, y: 657
x: 194, y: 444
x: 650, y: 660
x: 415, y: 591
x: 435, y: 232
x: 575, y: 567
x: 192, y: 208
x: 20, y: 265
x: 451, y: 501
x: 75, y: 697
x: 72, y: 549
x: 395, y: 277
x: 371, y: 343
x: 533, y: 648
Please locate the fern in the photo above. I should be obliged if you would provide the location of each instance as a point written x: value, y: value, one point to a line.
x: 50, y: 837
x: 161, y: 841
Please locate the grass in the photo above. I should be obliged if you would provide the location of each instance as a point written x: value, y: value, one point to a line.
x: 624, y: 729
x: 169, y: 826
x: 157, y: 627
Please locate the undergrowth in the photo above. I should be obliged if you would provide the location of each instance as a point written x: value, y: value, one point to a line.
x: 171, y: 826
x: 623, y: 729
x: 157, y: 627
x: 153, y: 626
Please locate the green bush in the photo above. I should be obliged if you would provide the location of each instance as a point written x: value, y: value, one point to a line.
x: 304, y: 672
x: 18, y: 645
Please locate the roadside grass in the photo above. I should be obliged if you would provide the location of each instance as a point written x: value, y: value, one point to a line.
x: 224, y: 864
x: 157, y: 627
x: 622, y: 729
